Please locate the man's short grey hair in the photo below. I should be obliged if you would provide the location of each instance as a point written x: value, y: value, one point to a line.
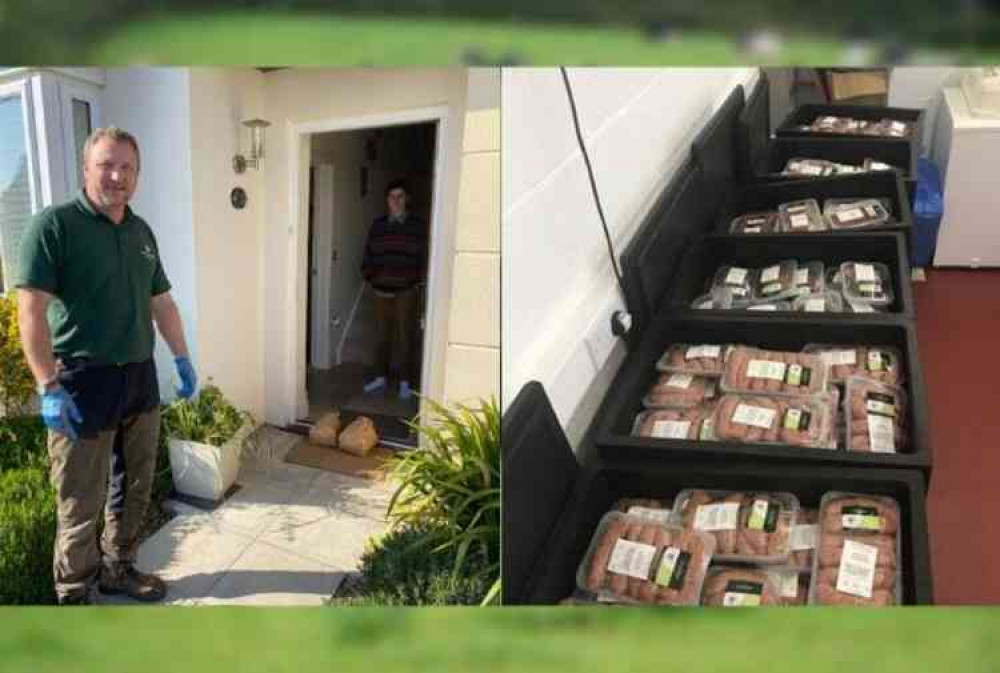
x: 114, y: 133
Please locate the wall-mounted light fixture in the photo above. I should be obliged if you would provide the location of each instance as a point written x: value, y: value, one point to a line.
x: 256, y: 127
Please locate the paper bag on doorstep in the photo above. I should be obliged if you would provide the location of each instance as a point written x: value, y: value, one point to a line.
x: 359, y: 437
x: 325, y: 431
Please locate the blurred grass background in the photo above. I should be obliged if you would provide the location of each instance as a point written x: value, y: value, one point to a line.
x: 476, y: 32
x: 39, y: 640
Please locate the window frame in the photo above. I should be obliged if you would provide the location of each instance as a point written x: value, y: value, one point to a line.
x: 68, y: 92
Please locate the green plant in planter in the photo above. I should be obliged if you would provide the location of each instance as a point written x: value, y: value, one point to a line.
x: 453, y: 482
x: 208, y: 418
x: 17, y: 386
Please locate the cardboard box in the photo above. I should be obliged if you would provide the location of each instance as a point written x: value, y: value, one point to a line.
x: 844, y: 84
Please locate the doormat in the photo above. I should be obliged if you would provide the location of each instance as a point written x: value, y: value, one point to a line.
x: 370, y: 467
x: 203, y: 504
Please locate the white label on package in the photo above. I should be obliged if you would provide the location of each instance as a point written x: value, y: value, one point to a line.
x: 879, y: 166
x: 762, y: 307
x: 802, y: 277
x: 858, y: 307
x: 766, y: 369
x: 770, y: 274
x: 682, y: 381
x: 760, y: 417
x: 723, y: 516
x: 707, y: 432
x: 736, y: 276
x: 671, y: 429
x: 816, y: 305
x: 864, y: 273
x: 882, y: 434
x: 803, y: 536
x: 703, y: 351
x: 632, y: 558
x: 658, y: 515
x: 898, y: 127
x: 850, y: 214
x: 856, y: 575
x: 838, y: 358
x: 810, y: 169
x: 789, y: 584
x: 799, y: 221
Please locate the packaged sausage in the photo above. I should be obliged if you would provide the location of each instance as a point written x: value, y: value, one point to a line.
x: 824, y: 302
x: 634, y: 560
x: 797, y: 421
x: 754, y: 370
x: 809, y: 167
x: 748, y: 527
x: 736, y: 280
x: 755, y: 223
x: 857, y: 214
x: 861, y: 307
x: 701, y: 359
x: 732, y: 587
x: 810, y: 278
x: 834, y: 124
x: 770, y: 306
x: 792, y: 586
x: 875, y: 165
x: 804, y: 536
x: 679, y: 391
x: 774, y: 282
x: 674, y: 423
x: 714, y: 300
x: 876, y: 416
x: 881, y: 363
x: 651, y: 509
x: 858, y: 559
x: 895, y: 129
x: 833, y: 279
x: 867, y: 283
x: 801, y: 216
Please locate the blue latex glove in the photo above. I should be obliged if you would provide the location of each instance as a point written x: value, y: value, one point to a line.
x: 59, y: 412
x: 189, y: 379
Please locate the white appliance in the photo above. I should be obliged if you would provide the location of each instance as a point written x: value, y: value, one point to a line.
x: 967, y: 148
x: 982, y: 92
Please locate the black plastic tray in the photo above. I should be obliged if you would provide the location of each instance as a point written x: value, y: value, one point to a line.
x: 853, y: 151
x: 806, y: 114
x: 554, y: 576
x: 763, y: 196
x: 697, y: 266
x: 612, y: 425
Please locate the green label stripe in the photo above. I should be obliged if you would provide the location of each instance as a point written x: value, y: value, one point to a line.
x: 885, y: 405
x: 857, y: 517
x: 673, y: 571
x: 745, y: 587
x: 797, y: 375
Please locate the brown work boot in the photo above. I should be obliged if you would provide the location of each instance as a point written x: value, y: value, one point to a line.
x: 122, y: 577
x: 88, y: 597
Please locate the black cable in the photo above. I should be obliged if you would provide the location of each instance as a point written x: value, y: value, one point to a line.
x: 593, y: 183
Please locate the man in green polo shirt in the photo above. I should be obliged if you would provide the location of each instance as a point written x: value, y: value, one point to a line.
x: 91, y: 285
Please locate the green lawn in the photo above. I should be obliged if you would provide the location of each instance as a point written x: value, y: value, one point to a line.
x: 267, y: 38
x: 193, y: 640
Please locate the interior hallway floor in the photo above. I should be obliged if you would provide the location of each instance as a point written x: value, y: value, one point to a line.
x: 341, y: 387
x: 958, y: 327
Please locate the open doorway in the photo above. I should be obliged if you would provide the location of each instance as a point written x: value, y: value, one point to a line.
x: 347, y: 317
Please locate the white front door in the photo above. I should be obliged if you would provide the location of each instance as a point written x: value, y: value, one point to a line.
x: 323, y: 228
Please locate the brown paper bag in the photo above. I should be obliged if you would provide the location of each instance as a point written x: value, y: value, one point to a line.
x: 359, y: 437
x: 325, y: 431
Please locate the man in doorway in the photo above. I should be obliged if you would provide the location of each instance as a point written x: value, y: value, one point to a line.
x: 91, y: 286
x: 395, y: 265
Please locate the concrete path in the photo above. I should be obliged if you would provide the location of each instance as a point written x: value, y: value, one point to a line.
x: 287, y: 537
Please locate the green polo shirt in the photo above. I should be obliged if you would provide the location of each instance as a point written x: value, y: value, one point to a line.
x: 103, y: 276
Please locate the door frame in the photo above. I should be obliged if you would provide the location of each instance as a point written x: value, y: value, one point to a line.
x: 323, y: 215
x: 295, y: 399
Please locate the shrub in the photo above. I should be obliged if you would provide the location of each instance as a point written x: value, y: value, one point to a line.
x: 17, y: 386
x: 453, y: 482
x: 22, y: 443
x: 397, y: 570
x: 27, y: 536
x: 208, y: 418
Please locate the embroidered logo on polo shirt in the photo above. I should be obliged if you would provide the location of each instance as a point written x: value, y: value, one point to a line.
x: 147, y: 252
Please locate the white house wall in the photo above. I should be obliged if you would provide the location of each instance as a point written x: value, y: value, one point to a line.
x: 227, y: 240
x: 154, y: 105
x: 558, y: 284
x: 300, y: 96
x: 473, y: 359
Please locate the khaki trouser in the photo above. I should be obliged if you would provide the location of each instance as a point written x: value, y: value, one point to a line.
x: 79, y: 473
x: 395, y: 319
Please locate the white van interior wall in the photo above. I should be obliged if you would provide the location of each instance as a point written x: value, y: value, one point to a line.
x: 558, y: 287
x: 921, y: 87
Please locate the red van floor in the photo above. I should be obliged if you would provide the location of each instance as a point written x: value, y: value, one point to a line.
x: 958, y: 327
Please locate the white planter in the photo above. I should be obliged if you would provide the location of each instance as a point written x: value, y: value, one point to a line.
x: 206, y: 471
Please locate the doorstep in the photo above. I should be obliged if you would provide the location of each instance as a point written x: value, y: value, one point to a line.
x: 289, y: 535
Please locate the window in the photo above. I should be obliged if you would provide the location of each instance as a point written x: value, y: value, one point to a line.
x: 18, y: 197
x: 80, y: 113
